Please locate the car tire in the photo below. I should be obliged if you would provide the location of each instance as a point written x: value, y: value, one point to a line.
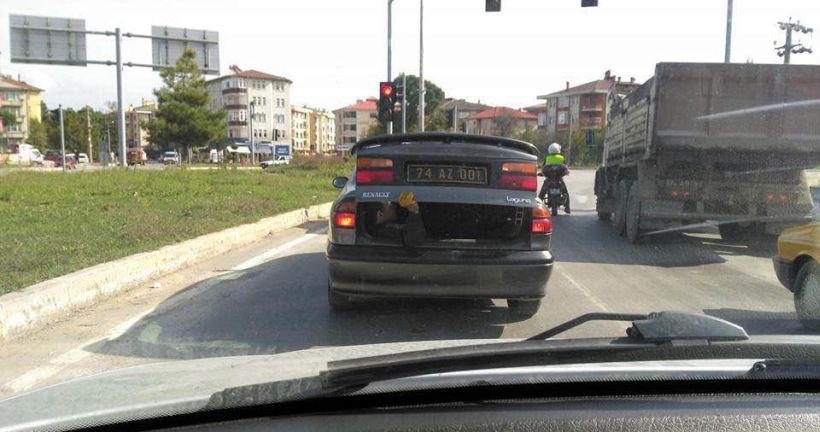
x: 633, y: 214
x: 524, y: 308
x: 621, y: 195
x: 604, y: 216
x: 337, y: 301
x: 807, y: 295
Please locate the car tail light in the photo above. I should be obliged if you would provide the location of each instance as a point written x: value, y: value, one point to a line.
x: 519, y: 175
x: 519, y: 168
x: 541, y: 222
x: 374, y: 171
x: 345, y: 215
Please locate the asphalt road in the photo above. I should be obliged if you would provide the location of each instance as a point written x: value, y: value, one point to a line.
x: 271, y: 298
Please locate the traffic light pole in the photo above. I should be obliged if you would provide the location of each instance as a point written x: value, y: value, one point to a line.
x: 390, y: 53
x: 421, y: 65
x: 62, y: 137
x: 728, y: 50
x: 120, y: 111
x: 403, y: 103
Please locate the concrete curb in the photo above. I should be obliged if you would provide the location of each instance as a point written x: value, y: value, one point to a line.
x: 34, y: 305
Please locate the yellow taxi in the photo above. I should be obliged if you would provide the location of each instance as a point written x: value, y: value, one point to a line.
x: 797, y: 265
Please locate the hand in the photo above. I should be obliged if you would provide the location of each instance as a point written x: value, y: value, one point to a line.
x: 408, y: 201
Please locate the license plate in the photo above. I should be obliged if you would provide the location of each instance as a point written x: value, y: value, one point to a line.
x: 555, y: 191
x: 417, y: 173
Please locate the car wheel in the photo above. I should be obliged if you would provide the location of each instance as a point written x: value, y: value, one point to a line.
x: 337, y: 301
x: 621, y: 195
x: 807, y: 295
x: 633, y: 214
x: 604, y: 216
x: 525, y: 308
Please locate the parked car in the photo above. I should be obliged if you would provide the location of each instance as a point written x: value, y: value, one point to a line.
x: 52, y: 155
x: 797, y: 265
x: 82, y: 158
x: 279, y: 160
x: 70, y: 162
x: 170, y: 157
x: 440, y: 215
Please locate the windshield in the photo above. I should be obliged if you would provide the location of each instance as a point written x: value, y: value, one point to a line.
x: 264, y: 178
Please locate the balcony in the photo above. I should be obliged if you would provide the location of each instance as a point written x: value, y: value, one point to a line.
x: 237, y: 123
x: 235, y: 90
x: 11, y: 102
x: 592, y: 109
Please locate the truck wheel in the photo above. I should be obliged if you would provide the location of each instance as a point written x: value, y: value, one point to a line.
x: 524, y: 308
x: 807, y: 295
x: 633, y: 214
x: 621, y: 195
x: 731, y: 231
x: 337, y: 301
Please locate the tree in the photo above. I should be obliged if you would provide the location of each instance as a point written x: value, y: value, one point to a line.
x: 183, y: 118
x: 505, y: 124
x: 8, y: 118
x: 38, y: 135
x: 437, y: 121
x: 433, y: 96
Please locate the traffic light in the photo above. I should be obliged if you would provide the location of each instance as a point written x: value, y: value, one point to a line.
x: 589, y: 3
x: 398, y: 92
x: 492, y: 5
x: 386, y: 101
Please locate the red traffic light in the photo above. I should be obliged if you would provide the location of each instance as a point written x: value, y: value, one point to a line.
x: 386, y: 89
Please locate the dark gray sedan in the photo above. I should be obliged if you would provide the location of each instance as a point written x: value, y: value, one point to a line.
x: 440, y: 215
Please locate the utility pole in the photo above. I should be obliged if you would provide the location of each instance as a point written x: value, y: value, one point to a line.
x: 421, y: 65
x: 787, y: 49
x: 251, y: 106
x: 120, y: 110
x: 88, y: 131
x: 728, y: 52
x: 390, y: 54
x: 62, y: 136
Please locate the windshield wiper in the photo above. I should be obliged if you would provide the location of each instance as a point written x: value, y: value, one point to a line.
x: 653, y: 337
x: 660, y: 327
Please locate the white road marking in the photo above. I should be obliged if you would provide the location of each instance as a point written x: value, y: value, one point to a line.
x: 584, y: 290
x: 269, y: 255
x: 57, y: 364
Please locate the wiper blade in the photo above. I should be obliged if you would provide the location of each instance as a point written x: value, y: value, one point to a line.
x: 660, y: 327
x: 655, y: 336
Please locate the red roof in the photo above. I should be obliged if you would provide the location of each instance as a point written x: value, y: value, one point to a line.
x: 597, y: 86
x: 501, y: 112
x: 369, y: 104
x: 22, y: 84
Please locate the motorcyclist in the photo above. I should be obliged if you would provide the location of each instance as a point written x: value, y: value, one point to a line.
x: 554, y: 157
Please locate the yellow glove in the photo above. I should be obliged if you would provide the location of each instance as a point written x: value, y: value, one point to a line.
x: 408, y: 201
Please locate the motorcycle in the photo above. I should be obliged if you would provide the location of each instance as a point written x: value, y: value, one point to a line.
x: 551, y: 188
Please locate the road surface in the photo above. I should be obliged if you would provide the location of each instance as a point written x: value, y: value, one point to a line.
x: 270, y: 297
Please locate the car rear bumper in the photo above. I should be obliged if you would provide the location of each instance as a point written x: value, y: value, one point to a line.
x: 783, y: 269
x: 389, y: 271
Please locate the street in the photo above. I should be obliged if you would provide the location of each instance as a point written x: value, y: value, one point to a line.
x: 271, y: 298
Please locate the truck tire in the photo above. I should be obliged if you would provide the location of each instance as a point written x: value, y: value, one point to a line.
x: 739, y: 232
x: 807, y: 295
x: 621, y: 194
x: 633, y: 214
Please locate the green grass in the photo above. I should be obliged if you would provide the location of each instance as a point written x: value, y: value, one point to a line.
x: 55, y: 223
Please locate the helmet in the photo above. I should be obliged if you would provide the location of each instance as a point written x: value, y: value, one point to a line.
x: 555, y: 148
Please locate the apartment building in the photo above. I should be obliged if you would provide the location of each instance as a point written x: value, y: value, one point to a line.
x: 584, y: 106
x: 500, y: 121
x: 23, y: 100
x: 300, y: 117
x: 257, y: 103
x: 135, y: 120
x: 462, y: 109
x: 354, y: 121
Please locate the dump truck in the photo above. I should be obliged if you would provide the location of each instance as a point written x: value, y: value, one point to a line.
x: 715, y: 143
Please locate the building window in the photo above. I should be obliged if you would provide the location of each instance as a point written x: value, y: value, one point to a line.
x: 562, y: 118
x: 349, y: 128
x: 374, y: 115
x: 563, y: 102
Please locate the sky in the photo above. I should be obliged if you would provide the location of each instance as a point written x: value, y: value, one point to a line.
x: 335, y: 51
